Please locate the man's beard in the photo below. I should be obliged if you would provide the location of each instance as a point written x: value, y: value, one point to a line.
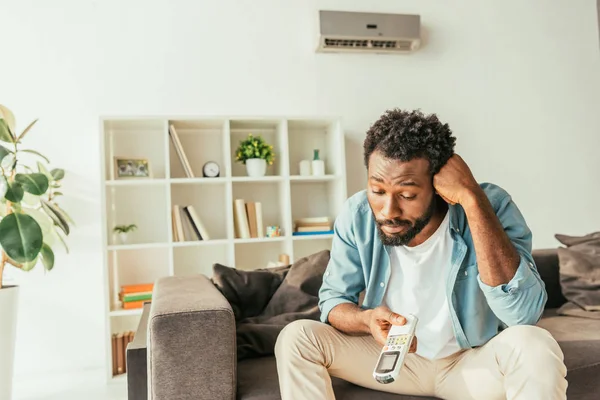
x: 401, y: 239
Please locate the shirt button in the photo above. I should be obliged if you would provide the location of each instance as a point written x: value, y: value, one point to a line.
x: 512, y: 290
x: 530, y: 264
x: 327, y: 273
x: 382, y: 284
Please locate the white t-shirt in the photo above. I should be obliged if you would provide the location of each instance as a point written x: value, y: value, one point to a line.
x: 417, y: 286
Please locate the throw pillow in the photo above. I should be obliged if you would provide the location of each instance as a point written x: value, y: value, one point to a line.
x: 297, y: 297
x: 248, y: 292
x: 579, y: 265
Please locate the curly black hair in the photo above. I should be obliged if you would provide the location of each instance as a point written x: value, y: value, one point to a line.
x: 405, y: 135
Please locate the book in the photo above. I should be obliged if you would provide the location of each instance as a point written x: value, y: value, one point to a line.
x: 241, y: 219
x: 251, y: 212
x: 136, y: 288
x: 197, y: 223
x: 260, y: 229
x: 178, y: 223
x: 312, y: 221
x: 137, y: 296
x: 114, y: 354
x: 190, y: 233
x: 179, y: 149
x: 312, y: 233
x: 324, y: 228
x: 132, y: 305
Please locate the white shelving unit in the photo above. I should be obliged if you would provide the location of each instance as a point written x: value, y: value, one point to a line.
x: 151, y: 251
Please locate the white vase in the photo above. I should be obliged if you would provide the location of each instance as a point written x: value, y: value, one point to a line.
x: 123, y: 237
x: 9, y: 296
x: 256, y: 167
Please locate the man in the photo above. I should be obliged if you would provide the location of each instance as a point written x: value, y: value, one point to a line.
x: 425, y: 238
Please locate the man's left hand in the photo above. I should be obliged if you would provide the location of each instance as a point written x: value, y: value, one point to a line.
x: 455, y: 182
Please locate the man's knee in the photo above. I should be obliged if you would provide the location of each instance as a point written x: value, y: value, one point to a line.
x: 296, y: 334
x: 531, y: 340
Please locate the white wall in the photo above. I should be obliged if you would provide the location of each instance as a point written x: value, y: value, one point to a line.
x: 519, y: 83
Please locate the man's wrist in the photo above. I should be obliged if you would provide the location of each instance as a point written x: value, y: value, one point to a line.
x: 472, y: 198
x: 365, y: 318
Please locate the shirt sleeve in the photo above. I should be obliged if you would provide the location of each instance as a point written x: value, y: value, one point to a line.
x: 343, y: 279
x: 520, y: 301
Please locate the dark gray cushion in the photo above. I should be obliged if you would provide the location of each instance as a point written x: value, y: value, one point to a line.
x: 580, y: 274
x: 546, y: 262
x: 248, y: 292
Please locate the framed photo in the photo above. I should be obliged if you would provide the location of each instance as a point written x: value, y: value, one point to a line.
x: 132, y: 168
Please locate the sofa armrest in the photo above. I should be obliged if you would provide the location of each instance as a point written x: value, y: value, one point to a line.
x: 191, y: 341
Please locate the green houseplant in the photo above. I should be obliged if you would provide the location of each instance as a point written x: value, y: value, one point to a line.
x: 123, y: 230
x: 31, y: 222
x: 256, y: 154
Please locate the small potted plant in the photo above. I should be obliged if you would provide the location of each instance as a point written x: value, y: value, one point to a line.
x: 256, y: 154
x: 123, y: 231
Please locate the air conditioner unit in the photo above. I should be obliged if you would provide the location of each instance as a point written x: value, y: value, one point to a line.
x: 343, y: 31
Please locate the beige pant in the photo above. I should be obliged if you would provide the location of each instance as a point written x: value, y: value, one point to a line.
x: 522, y: 362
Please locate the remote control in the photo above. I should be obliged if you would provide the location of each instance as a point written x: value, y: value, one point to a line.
x: 396, y: 348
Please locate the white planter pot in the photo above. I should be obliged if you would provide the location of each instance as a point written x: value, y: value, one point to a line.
x: 256, y: 167
x: 8, y: 333
x: 123, y: 237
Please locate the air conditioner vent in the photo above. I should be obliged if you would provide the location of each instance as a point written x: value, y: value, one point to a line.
x: 368, y: 32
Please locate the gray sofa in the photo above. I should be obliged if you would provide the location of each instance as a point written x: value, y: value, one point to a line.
x: 191, y: 341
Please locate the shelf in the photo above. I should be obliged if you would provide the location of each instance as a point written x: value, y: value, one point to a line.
x: 151, y: 253
x: 202, y: 181
x: 137, y: 246
x: 259, y: 179
x: 200, y: 243
x: 312, y: 179
x: 136, y: 182
x: 126, y: 313
x: 313, y: 237
x: 260, y: 240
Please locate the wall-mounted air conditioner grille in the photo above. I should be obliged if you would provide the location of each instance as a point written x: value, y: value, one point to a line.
x: 368, y: 32
x: 399, y: 45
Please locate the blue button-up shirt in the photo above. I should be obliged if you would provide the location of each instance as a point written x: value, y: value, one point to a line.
x: 360, y: 262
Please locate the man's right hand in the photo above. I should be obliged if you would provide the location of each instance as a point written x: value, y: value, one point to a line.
x: 380, y: 322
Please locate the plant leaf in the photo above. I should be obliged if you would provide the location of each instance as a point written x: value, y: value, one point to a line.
x: 57, y: 194
x: 8, y: 162
x: 47, y: 257
x: 62, y: 239
x: 26, y: 130
x: 35, y: 183
x: 14, y: 193
x: 20, y: 237
x: 42, y: 170
x: 64, y: 214
x: 5, y: 133
x: 28, y: 266
x: 57, y: 174
x: 37, y: 154
x: 4, y: 152
x: 56, y: 216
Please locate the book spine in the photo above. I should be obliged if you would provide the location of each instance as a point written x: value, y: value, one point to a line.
x: 139, y: 288
x: 260, y: 229
x: 179, y: 149
x: 241, y: 219
x: 251, y: 211
x: 178, y: 224
x: 197, y: 222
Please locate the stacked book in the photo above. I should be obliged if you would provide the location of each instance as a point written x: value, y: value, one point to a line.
x: 119, y: 351
x: 134, y: 296
x: 248, y: 219
x: 312, y: 226
x: 187, y: 226
x: 179, y: 149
